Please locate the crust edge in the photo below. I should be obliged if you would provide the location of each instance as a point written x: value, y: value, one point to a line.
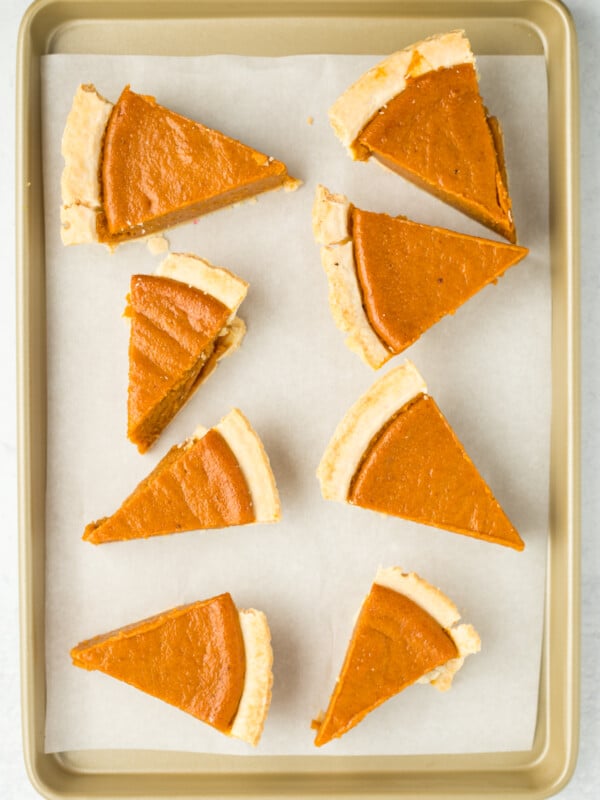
x: 331, y: 229
x: 82, y: 149
x: 361, y: 423
x: 358, y: 104
x: 443, y: 610
x: 254, y: 704
x: 221, y: 283
x: 254, y: 462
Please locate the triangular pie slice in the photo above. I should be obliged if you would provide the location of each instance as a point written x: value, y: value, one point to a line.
x: 136, y: 168
x: 183, y: 321
x: 390, y: 279
x: 419, y: 113
x: 405, y: 633
x: 394, y: 452
x: 208, y: 659
x: 216, y: 478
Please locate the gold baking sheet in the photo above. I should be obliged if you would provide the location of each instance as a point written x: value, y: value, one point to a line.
x: 276, y: 29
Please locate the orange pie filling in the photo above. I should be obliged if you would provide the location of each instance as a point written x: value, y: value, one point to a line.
x: 199, y: 483
x: 405, y: 633
x: 174, y: 332
x: 137, y: 168
x: 419, y: 113
x: 191, y: 657
x: 436, y: 133
x: 412, y: 275
x: 416, y: 468
x: 208, y: 659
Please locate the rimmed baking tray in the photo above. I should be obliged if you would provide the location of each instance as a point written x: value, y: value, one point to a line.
x: 249, y: 27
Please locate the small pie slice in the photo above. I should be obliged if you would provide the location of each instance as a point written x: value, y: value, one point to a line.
x: 216, y: 478
x: 183, y: 321
x: 419, y: 113
x: 207, y: 659
x: 391, y: 279
x: 405, y: 633
x: 395, y: 453
x: 137, y: 168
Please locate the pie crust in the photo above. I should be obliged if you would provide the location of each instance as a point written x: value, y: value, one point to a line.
x: 82, y: 148
x: 358, y: 104
x: 361, y: 424
x: 331, y: 229
x: 201, y: 274
x: 254, y: 705
x: 443, y: 610
x: 254, y: 463
x: 225, y: 287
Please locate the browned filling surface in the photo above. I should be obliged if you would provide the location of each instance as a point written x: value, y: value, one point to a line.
x: 195, y: 486
x: 173, y: 331
x: 191, y: 657
x: 160, y: 169
x: 436, y: 133
x: 412, y: 275
x: 395, y: 642
x: 416, y: 468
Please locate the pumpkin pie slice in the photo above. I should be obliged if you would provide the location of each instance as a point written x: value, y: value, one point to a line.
x: 183, y: 321
x: 405, y: 633
x: 216, y: 478
x: 390, y: 279
x: 207, y: 659
x: 395, y: 453
x: 135, y: 168
x: 419, y: 113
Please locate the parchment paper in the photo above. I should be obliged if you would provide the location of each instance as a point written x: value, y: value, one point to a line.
x: 488, y: 368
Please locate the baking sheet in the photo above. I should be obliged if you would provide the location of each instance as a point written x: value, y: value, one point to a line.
x: 488, y: 367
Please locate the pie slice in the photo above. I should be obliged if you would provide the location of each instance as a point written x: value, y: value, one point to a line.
x: 136, y: 168
x: 183, y: 320
x: 395, y: 453
x: 405, y: 633
x: 216, y: 478
x: 391, y: 279
x: 207, y: 659
x: 419, y: 113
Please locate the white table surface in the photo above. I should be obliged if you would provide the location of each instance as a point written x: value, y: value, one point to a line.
x: 14, y: 784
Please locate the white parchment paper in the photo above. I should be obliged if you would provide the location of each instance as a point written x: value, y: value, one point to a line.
x: 488, y: 368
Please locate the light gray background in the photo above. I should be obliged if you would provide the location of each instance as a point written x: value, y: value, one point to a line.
x: 586, y: 782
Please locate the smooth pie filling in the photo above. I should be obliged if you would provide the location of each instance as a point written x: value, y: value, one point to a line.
x: 215, y: 479
x: 207, y: 659
x: 436, y: 133
x: 412, y: 275
x: 416, y: 468
x: 406, y: 632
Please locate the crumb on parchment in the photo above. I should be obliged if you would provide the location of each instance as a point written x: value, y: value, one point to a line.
x: 157, y: 245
